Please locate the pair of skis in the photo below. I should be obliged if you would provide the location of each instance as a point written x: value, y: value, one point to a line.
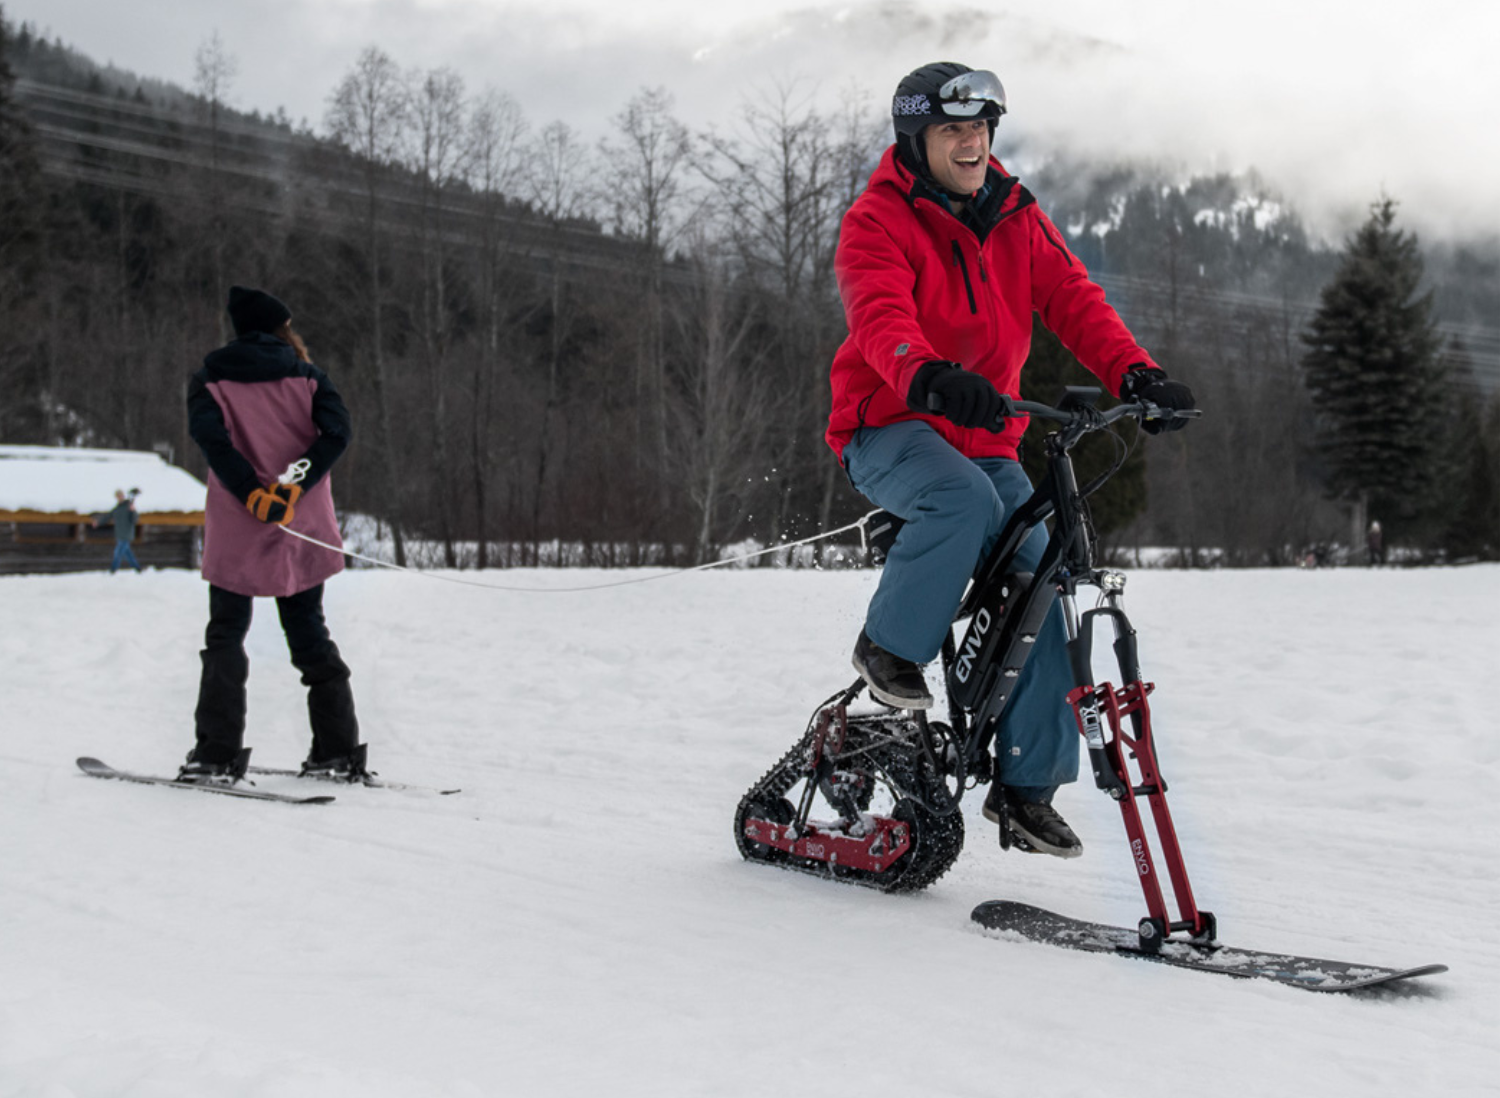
x: 96, y: 769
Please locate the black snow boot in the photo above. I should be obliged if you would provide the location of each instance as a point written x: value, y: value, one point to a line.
x: 1030, y: 825
x: 343, y: 768
x: 893, y: 680
x: 202, y: 771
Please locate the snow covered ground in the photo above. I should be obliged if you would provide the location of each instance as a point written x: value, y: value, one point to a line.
x: 578, y: 922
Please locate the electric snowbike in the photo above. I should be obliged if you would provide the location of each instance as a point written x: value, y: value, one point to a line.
x: 873, y: 798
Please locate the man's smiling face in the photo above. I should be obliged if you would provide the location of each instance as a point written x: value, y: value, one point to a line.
x: 958, y: 153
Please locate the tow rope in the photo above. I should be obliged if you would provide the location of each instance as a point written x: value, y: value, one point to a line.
x: 859, y: 525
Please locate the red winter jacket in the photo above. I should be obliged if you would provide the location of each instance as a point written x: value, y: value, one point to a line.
x: 919, y: 284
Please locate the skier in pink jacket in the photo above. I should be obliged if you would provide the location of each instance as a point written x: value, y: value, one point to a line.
x: 271, y: 425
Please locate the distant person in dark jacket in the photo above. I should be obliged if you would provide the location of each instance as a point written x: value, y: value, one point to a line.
x: 122, y: 518
x: 271, y: 425
x: 1374, y: 545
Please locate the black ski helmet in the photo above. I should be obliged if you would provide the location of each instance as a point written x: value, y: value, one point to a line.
x: 940, y: 93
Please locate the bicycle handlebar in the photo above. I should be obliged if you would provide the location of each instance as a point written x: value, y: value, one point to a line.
x: 1012, y: 407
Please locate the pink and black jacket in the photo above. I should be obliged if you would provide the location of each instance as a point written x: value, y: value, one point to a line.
x: 920, y: 284
x: 253, y: 409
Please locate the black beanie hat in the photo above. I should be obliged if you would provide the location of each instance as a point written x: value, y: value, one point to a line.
x: 255, y: 311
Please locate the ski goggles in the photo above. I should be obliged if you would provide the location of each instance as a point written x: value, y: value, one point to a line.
x: 968, y: 94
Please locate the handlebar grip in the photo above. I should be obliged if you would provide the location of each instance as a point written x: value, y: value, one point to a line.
x: 935, y: 406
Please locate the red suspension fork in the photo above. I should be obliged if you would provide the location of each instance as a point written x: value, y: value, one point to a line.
x: 1100, y: 713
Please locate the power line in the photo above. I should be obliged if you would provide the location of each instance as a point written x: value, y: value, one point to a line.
x: 1475, y: 347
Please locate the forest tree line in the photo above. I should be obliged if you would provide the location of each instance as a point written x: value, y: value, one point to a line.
x: 625, y: 347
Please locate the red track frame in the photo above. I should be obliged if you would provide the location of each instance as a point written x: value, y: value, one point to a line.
x: 873, y: 851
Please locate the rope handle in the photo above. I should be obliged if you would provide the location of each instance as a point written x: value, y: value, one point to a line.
x: 295, y: 472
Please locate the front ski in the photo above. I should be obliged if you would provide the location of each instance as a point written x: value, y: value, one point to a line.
x: 1036, y: 925
x: 96, y: 769
x: 370, y: 781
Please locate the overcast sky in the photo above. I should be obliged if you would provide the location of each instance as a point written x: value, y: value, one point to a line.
x: 1333, y: 101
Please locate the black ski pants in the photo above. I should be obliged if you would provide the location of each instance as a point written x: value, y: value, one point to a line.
x: 220, y: 716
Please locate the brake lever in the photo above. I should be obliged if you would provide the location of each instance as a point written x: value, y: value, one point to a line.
x: 1156, y: 411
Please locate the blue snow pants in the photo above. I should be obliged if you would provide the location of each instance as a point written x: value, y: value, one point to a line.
x: 955, y: 508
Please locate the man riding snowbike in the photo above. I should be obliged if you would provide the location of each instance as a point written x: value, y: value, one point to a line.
x: 941, y: 264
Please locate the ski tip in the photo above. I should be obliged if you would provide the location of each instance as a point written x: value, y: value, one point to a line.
x: 1379, y: 979
x: 1420, y: 970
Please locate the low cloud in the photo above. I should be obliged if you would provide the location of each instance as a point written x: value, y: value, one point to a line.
x: 1332, y: 106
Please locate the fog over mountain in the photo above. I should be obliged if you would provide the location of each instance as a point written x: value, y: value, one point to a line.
x: 1333, y: 106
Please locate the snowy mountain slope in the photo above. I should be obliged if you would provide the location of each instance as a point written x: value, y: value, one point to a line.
x: 577, y: 920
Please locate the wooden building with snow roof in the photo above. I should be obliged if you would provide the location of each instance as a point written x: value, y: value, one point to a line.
x: 50, y: 495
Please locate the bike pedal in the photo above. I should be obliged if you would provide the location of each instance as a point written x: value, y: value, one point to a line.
x: 1018, y: 843
x: 1010, y: 839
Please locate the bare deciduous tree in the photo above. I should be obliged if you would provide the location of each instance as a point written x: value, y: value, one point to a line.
x: 725, y: 404
x: 369, y: 114
x: 496, y: 156
x: 646, y: 174
x: 784, y: 181
x: 558, y: 177
x: 214, y: 70
x: 437, y: 157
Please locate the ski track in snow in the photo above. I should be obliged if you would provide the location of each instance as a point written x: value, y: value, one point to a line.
x: 578, y: 922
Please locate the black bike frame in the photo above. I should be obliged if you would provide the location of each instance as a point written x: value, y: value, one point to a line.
x: 1066, y: 562
x: 1123, y: 762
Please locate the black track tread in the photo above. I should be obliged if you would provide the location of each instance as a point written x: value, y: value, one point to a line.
x: 937, y: 839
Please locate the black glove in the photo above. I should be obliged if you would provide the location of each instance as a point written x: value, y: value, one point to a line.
x: 966, y: 399
x: 1146, y: 383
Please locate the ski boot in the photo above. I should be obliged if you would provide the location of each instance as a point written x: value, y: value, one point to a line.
x: 198, y: 772
x: 342, y: 768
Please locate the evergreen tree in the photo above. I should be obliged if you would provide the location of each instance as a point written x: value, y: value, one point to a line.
x: 1374, y: 371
